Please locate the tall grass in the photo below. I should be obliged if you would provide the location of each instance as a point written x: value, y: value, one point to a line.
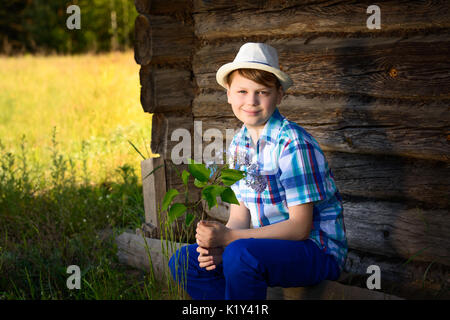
x: 91, y: 100
x: 69, y: 181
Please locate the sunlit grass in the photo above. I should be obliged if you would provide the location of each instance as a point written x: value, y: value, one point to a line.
x: 69, y: 180
x: 90, y: 98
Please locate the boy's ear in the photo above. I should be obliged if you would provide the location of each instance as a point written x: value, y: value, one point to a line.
x: 228, y: 93
x: 280, y: 95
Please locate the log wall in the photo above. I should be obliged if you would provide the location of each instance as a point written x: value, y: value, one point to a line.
x: 377, y: 101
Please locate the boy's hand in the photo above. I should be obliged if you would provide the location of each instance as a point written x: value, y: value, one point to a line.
x: 209, y: 258
x: 211, y: 234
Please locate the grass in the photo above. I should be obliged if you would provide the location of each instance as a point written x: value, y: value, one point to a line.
x: 91, y: 100
x: 69, y: 179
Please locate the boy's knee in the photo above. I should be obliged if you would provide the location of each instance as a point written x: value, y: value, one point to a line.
x: 233, y: 253
x: 176, y: 258
x: 172, y: 263
x: 179, y: 259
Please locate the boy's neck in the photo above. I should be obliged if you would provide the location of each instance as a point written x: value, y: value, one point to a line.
x: 255, y: 133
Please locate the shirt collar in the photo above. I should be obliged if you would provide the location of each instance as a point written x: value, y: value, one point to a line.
x: 271, y: 128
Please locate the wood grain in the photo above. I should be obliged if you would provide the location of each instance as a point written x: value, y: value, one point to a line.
x: 416, y: 129
x: 166, y: 89
x: 392, y: 67
x: 163, y: 40
x: 245, y: 19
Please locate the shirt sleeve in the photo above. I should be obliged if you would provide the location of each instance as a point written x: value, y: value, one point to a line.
x: 303, y: 172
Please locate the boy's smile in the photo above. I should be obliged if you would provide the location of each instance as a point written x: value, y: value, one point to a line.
x: 252, y: 103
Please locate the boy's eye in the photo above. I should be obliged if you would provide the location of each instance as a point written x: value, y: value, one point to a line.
x: 261, y: 92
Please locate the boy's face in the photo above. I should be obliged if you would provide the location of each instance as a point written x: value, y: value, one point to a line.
x: 252, y: 103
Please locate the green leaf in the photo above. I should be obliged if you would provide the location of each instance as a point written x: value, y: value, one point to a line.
x: 137, y: 150
x: 184, y: 176
x: 231, y: 176
x: 229, y: 196
x: 176, y: 210
x: 189, y: 219
x: 168, y: 197
x: 199, y: 171
x: 199, y: 184
x: 210, y: 193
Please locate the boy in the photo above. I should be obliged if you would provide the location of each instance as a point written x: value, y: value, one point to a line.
x: 289, y: 197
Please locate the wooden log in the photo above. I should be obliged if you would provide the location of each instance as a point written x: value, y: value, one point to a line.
x: 380, y: 67
x: 384, y: 179
x: 399, y: 270
x: 225, y: 19
x: 414, y: 182
x: 389, y: 229
x: 166, y: 89
x: 143, y: 40
x: 163, y: 7
x: 354, y: 124
x: 163, y: 40
x: 164, y: 133
x: 146, y: 254
x: 327, y: 290
x: 153, y: 254
x: 394, y: 230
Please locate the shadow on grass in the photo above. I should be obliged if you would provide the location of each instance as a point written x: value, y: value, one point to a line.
x: 47, y: 226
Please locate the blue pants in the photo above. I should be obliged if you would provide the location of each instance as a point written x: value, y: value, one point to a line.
x: 249, y: 266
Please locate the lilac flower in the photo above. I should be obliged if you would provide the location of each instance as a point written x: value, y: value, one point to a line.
x: 253, y: 178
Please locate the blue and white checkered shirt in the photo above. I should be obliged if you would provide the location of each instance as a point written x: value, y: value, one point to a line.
x: 287, y: 167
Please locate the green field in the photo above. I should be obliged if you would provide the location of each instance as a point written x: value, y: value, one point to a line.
x: 69, y: 178
x: 87, y: 98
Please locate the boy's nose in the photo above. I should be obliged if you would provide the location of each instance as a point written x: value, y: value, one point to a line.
x: 252, y: 99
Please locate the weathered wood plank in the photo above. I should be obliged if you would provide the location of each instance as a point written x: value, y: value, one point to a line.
x: 153, y: 188
x: 132, y: 250
x: 327, y: 290
x: 389, y: 229
x: 153, y: 254
x: 416, y: 182
x: 168, y: 130
x: 355, y: 124
x: 166, y: 89
x: 163, y: 40
x: 410, y: 279
x: 393, y: 229
x: 416, y: 67
x: 163, y: 7
x: 146, y: 254
x: 225, y: 19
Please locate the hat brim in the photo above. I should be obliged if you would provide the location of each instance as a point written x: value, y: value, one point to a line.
x: 224, y: 70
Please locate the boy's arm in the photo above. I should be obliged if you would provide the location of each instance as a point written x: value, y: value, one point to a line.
x: 239, y: 217
x: 297, y: 227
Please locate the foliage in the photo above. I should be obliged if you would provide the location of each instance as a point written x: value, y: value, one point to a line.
x: 44, y: 229
x: 213, y: 180
x: 40, y: 26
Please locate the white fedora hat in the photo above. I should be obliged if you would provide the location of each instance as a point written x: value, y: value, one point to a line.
x: 253, y: 55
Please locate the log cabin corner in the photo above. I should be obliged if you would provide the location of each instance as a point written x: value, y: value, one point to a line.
x: 377, y: 101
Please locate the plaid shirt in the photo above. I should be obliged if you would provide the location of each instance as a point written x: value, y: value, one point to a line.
x: 287, y: 168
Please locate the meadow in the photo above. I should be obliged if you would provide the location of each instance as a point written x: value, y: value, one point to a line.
x: 69, y: 178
